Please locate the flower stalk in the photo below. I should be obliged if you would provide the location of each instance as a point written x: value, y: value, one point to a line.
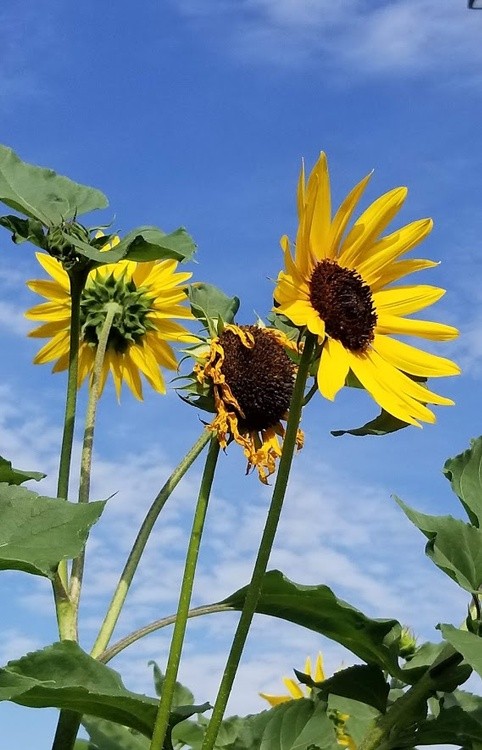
x: 121, y: 591
x: 162, y: 719
x: 272, y: 520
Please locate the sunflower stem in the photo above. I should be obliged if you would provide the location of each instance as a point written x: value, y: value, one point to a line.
x: 168, y: 687
x: 77, y: 282
x: 136, y: 635
x: 271, y: 525
x: 120, y: 593
x: 112, y: 308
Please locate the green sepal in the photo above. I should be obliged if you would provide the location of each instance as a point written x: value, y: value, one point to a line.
x: 36, y: 532
x: 464, y: 473
x: 141, y: 244
x: 9, y: 475
x: 43, y: 194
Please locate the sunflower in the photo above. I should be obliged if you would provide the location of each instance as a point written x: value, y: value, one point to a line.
x: 252, y: 378
x: 338, y: 285
x: 296, y: 691
x: 149, y: 295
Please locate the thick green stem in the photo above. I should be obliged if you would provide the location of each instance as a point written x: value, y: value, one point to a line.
x: 77, y: 283
x: 67, y: 730
x: 136, y: 635
x: 119, y: 597
x: 169, y: 684
x: 264, y: 551
x: 112, y: 308
x: 400, y: 715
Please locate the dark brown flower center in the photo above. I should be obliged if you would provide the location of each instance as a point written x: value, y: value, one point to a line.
x: 345, y: 304
x: 261, y: 378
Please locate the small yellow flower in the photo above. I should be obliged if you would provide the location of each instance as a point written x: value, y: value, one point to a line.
x: 338, y: 284
x: 252, y: 379
x: 297, y: 690
x: 150, y: 294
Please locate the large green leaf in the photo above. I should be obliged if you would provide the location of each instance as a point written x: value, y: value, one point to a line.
x: 466, y: 643
x: 24, y: 230
x: 36, y: 532
x: 362, y: 682
x: 63, y: 676
x: 318, y: 609
x: 360, y: 716
x: 41, y: 193
x: 16, y: 476
x: 299, y: 725
x: 464, y: 473
x: 141, y: 244
x: 383, y: 424
x: 454, y: 546
x: 424, y: 656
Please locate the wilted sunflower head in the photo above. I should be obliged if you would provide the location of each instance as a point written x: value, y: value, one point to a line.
x: 252, y: 379
x: 148, y: 295
x: 339, y: 284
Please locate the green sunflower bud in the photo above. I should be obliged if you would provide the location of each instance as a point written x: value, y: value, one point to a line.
x: 58, y: 245
x: 408, y: 643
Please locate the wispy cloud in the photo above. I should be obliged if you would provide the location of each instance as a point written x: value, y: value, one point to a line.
x: 371, y: 37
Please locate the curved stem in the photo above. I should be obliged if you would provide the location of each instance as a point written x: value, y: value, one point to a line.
x: 112, y: 308
x: 119, y: 597
x: 136, y: 635
x: 168, y: 687
x: 77, y: 283
x: 254, y: 590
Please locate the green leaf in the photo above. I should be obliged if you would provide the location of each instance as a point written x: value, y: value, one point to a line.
x: 182, y: 695
x: 24, y: 230
x: 458, y: 723
x: 84, y: 745
x: 299, y: 725
x: 188, y: 733
x: 464, y: 473
x: 41, y: 193
x: 209, y: 304
x: 466, y: 643
x: 454, y: 546
x: 424, y: 657
x: 318, y: 609
x: 141, y: 244
x: 63, y: 676
x: 360, y: 716
x: 36, y: 532
x: 384, y: 424
x: 16, y: 476
x: 362, y: 682
x: 109, y: 736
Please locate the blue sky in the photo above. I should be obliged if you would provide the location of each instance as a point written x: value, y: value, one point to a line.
x: 197, y: 113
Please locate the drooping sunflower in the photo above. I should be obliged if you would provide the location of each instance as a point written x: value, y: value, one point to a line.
x: 150, y: 295
x: 296, y: 690
x: 338, y: 284
x: 252, y: 378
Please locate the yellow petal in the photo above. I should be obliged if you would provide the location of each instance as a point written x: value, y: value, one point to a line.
x: 369, y: 226
x: 293, y: 688
x: 47, y: 311
x: 319, y: 675
x: 275, y: 700
x: 321, y: 218
x: 403, y: 300
x: 344, y: 214
x: 131, y: 376
x: 50, y: 289
x: 54, y: 269
x: 56, y: 347
x: 412, y: 360
x: 50, y: 329
x: 333, y: 368
x: 410, y: 327
x: 398, y: 270
x: 301, y: 190
x: 389, y: 248
x: 299, y: 311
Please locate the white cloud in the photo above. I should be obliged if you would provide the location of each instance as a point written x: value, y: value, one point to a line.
x: 406, y: 36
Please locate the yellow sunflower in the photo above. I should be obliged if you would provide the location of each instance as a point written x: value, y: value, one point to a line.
x: 252, y: 378
x: 337, y: 284
x: 150, y: 294
x: 296, y: 690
